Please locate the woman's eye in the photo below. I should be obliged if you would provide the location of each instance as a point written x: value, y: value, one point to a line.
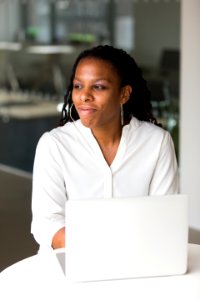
x: 77, y: 86
x: 99, y: 87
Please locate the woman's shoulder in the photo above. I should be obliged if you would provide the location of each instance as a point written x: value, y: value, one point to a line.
x: 147, y: 132
x: 61, y: 134
x: 149, y: 136
x: 60, y: 131
x: 148, y: 127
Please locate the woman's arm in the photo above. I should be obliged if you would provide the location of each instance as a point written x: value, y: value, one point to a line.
x: 48, y: 194
x: 165, y: 178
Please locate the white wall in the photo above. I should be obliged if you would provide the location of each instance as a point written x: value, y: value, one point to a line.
x: 190, y: 109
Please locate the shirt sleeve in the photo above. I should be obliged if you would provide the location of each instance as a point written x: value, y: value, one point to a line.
x: 165, y: 177
x: 48, y: 192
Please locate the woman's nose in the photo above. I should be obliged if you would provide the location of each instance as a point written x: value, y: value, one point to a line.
x: 86, y: 95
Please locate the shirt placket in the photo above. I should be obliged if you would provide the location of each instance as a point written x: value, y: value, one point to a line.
x: 108, y: 183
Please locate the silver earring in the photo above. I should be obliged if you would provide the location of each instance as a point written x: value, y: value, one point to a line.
x: 70, y: 112
x: 122, y: 114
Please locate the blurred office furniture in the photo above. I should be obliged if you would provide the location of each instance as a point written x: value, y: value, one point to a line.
x: 36, y: 68
x: 163, y: 82
x: 19, y: 136
x: 15, y: 216
x: 32, y: 85
x: 160, y: 97
x: 169, y: 69
x: 164, y: 79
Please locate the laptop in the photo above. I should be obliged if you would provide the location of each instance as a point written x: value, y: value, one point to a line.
x: 122, y: 238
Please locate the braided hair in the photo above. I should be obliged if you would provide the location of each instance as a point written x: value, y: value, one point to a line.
x: 139, y: 103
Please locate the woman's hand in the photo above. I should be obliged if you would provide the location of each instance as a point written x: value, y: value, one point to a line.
x: 58, y: 240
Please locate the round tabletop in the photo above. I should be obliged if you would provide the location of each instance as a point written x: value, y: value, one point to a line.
x: 41, y: 277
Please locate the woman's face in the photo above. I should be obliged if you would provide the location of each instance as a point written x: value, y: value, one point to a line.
x: 97, y: 93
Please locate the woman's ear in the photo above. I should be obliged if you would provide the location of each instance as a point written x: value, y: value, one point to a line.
x: 126, y: 92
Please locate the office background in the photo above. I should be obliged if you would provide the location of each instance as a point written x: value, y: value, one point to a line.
x: 39, y: 41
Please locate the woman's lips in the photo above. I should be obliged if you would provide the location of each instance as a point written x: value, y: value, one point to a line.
x: 86, y: 110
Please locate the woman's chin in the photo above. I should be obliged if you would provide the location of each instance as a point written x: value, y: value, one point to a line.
x: 87, y: 123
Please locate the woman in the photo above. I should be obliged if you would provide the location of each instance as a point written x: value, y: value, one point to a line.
x: 108, y: 145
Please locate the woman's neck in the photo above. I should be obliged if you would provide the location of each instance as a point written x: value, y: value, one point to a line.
x: 108, y: 135
x: 108, y: 141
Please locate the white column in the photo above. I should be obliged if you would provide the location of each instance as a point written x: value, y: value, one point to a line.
x: 190, y: 109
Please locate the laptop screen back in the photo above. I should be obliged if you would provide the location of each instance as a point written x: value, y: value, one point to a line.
x: 126, y: 238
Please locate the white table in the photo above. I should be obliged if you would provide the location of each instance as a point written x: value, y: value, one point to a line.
x: 41, y: 277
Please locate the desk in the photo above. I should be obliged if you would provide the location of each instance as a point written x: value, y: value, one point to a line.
x: 41, y: 277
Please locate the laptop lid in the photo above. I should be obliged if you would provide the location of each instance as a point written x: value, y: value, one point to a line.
x: 126, y: 237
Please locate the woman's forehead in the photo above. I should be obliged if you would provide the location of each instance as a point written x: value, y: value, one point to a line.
x: 95, y: 60
x: 96, y: 65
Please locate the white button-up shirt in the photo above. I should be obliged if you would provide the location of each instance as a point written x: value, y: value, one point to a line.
x: 69, y: 164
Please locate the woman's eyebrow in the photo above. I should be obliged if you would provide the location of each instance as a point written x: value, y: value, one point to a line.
x: 95, y: 79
